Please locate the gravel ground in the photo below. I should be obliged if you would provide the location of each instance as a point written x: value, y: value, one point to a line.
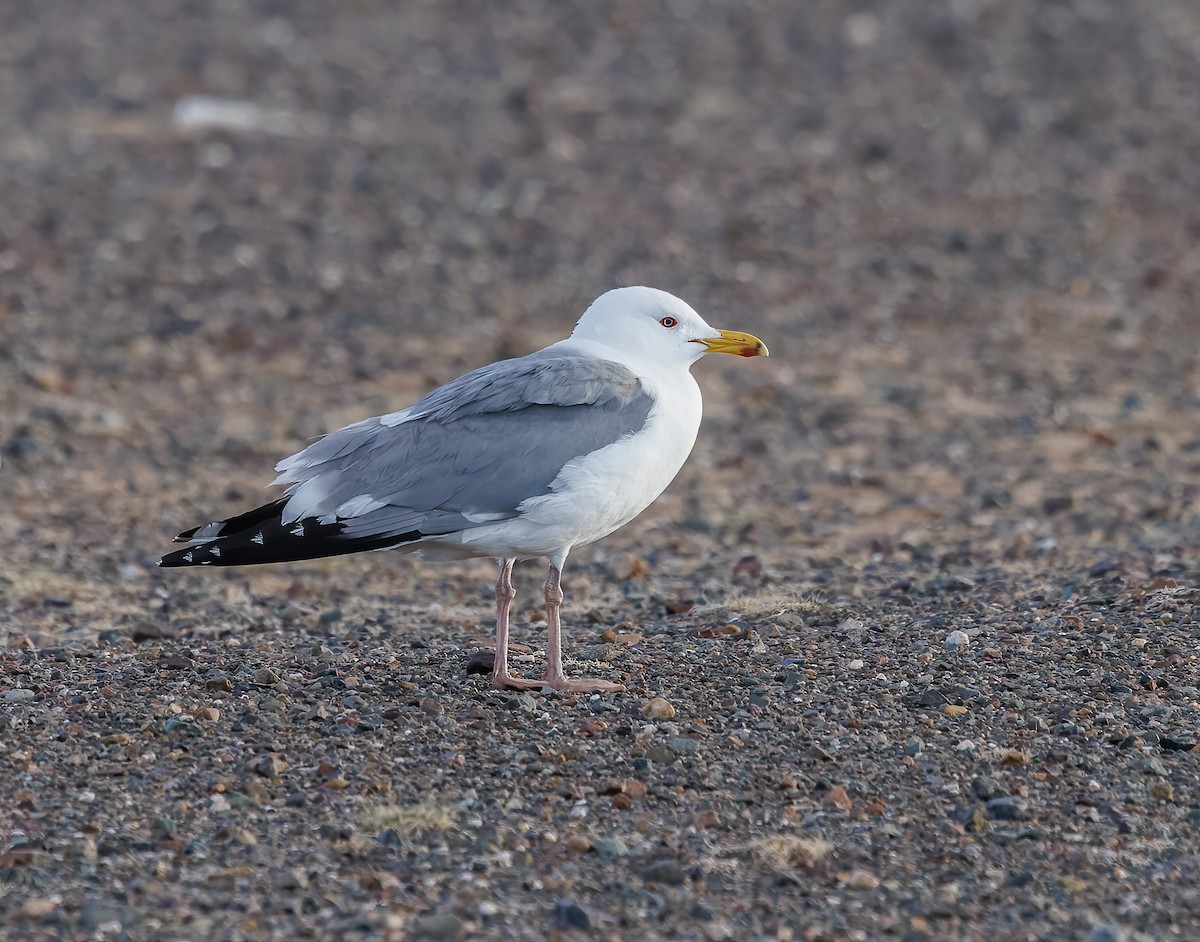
x: 911, y: 642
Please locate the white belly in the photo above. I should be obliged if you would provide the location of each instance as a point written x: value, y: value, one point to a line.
x: 601, y: 492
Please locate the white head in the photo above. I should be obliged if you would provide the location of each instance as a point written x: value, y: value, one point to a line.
x: 651, y: 324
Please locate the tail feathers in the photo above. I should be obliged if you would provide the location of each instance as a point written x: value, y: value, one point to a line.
x: 259, y: 536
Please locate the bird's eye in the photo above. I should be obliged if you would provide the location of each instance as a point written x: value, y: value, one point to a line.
x: 669, y: 321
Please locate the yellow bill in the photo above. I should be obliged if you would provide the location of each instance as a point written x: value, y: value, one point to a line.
x: 736, y: 342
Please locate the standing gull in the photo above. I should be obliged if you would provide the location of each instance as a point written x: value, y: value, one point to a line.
x: 526, y: 457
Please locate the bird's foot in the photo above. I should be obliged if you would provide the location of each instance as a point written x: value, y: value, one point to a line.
x: 582, y: 685
x: 560, y: 683
x: 509, y: 682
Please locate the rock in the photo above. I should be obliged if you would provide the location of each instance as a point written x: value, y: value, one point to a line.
x: 610, y: 847
x: 957, y: 640
x: 440, y: 927
x: 266, y: 677
x: 149, y: 631
x: 578, y: 843
x: 657, y: 709
x: 840, y: 798
x: 596, y: 652
x: 1008, y: 808
x: 38, y: 908
x: 480, y: 662
x: 525, y: 703
x: 683, y: 746
x: 1154, y: 766
x: 667, y: 871
x: 914, y: 747
x: 269, y: 766
x: 18, y: 695
x: 862, y: 880
x: 569, y: 915
x: 985, y: 788
x: 1107, y: 933
x: 1054, y: 505
x: 103, y: 917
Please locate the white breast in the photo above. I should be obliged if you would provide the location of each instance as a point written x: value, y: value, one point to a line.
x: 598, y: 493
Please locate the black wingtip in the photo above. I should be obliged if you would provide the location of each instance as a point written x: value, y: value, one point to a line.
x: 197, y: 555
x: 260, y: 536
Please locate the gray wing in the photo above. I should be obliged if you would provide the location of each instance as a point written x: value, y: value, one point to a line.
x: 467, y: 453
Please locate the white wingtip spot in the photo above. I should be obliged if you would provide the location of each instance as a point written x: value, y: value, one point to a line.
x: 188, y: 556
x: 215, y: 550
x: 257, y: 538
x: 298, y: 530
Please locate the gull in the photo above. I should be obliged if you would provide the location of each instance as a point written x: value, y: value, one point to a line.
x: 523, y: 458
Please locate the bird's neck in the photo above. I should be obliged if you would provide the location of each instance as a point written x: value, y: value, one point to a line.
x: 640, y: 363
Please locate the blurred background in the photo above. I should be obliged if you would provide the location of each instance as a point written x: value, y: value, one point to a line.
x: 969, y: 232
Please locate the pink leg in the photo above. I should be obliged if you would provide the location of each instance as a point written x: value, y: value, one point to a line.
x: 505, y: 593
x: 554, y: 676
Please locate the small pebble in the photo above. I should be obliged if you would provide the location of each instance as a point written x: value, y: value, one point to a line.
x: 668, y: 872
x: 37, y: 908
x: 525, y: 703
x: 682, y: 745
x: 957, y: 640
x: 610, y: 847
x: 1154, y: 766
x: 569, y: 915
x: 862, y: 880
x: 19, y: 695
x: 440, y: 927
x: 658, y: 709
x: 1008, y: 808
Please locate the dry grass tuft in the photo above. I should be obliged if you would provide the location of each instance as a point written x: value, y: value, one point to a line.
x: 406, y: 820
x: 788, y: 851
x: 770, y: 604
